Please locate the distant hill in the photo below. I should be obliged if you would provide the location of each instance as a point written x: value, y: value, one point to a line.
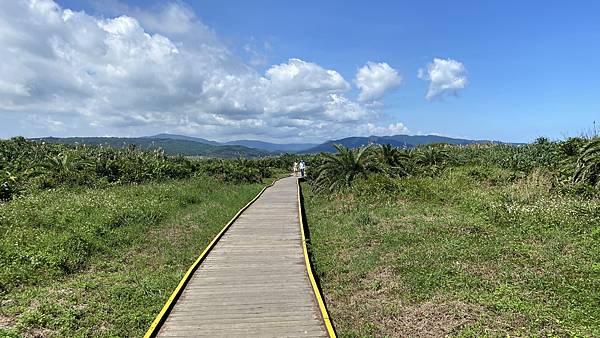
x: 171, y: 146
x: 183, y: 137
x: 406, y: 141
x: 274, y: 147
x: 267, y: 146
x: 195, y: 146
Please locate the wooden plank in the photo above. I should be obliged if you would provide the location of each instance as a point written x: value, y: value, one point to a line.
x: 254, y: 281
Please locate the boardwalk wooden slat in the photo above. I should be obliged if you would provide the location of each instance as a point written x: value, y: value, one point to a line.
x: 254, y: 281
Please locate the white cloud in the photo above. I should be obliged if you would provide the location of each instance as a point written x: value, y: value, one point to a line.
x: 301, y: 76
x: 374, y: 79
x: 391, y: 129
x: 444, y: 76
x: 144, y: 72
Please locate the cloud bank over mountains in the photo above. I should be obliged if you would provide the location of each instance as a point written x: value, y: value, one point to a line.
x: 69, y: 72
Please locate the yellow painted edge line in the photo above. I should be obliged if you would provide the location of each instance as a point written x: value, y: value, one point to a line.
x: 313, y: 282
x: 157, y: 323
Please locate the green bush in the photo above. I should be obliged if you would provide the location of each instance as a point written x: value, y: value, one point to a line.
x: 339, y: 170
x: 572, y: 164
x: 29, y: 166
x: 588, y: 164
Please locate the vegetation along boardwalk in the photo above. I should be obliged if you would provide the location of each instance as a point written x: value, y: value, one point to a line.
x: 255, y: 281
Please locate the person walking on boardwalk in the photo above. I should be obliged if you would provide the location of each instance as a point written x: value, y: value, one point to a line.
x: 295, y: 168
x: 301, y: 166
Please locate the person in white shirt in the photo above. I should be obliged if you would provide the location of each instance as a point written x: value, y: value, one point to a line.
x: 301, y: 166
x: 295, y: 168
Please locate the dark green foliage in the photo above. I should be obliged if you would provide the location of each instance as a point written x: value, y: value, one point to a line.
x: 29, y: 166
x: 9, y: 185
x: 588, y: 164
x: 430, y: 159
x: 394, y: 161
x: 240, y: 170
x: 573, y: 164
x: 339, y: 170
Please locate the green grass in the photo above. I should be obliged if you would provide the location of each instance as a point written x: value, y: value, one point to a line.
x: 102, y: 262
x: 476, y: 251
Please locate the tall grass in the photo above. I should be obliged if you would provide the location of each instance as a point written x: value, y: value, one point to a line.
x: 474, y: 251
x: 101, y: 262
x: 478, y: 240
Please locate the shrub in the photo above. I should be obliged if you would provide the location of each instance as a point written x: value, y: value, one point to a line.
x: 233, y: 171
x: 340, y: 169
x: 29, y: 166
x: 376, y: 186
x: 588, y: 164
x: 570, y: 166
x: 9, y: 186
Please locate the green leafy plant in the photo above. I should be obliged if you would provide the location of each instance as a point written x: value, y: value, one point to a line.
x: 340, y: 169
x: 588, y: 164
x: 393, y: 161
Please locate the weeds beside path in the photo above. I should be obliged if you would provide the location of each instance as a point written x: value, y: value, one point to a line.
x: 474, y: 251
x: 101, y: 262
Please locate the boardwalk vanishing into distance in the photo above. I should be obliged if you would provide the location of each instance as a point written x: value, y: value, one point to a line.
x: 254, y: 282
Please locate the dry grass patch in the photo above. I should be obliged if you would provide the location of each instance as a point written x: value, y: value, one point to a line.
x: 6, y: 322
x: 435, y: 318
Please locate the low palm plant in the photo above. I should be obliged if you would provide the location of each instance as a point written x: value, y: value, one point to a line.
x: 393, y: 161
x: 430, y: 160
x: 341, y: 169
x: 388, y: 155
x: 432, y: 156
x: 588, y: 164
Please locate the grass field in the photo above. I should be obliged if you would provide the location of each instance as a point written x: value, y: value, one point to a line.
x: 473, y: 251
x: 102, y: 262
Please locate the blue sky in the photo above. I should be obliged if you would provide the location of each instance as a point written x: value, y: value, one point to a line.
x: 532, y: 67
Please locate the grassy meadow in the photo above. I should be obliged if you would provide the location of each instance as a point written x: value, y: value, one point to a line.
x: 94, y: 240
x: 485, y: 240
x: 103, y: 262
x: 478, y: 241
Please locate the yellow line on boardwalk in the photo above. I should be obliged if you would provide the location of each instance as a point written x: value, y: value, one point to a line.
x: 162, y: 315
x: 313, y: 282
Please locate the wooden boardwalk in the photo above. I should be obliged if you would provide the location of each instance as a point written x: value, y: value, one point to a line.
x: 254, y: 282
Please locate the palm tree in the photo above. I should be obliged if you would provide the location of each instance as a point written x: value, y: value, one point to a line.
x: 388, y: 155
x: 393, y: 160
x: 340, y: 169
x: 432, y: 156
x: 588, y: 164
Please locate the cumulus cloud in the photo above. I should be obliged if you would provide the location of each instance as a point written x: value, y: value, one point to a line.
x: 145, y: 72
x: 391, y: 129
x: 374, y: 79
x: 297, y: 75
x: 444, y: 76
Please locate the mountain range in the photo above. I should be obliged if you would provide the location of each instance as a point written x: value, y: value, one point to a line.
x: 195, y: 146
x: 267, y: 146
x: 403, y: 141
x: 172, y: 146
